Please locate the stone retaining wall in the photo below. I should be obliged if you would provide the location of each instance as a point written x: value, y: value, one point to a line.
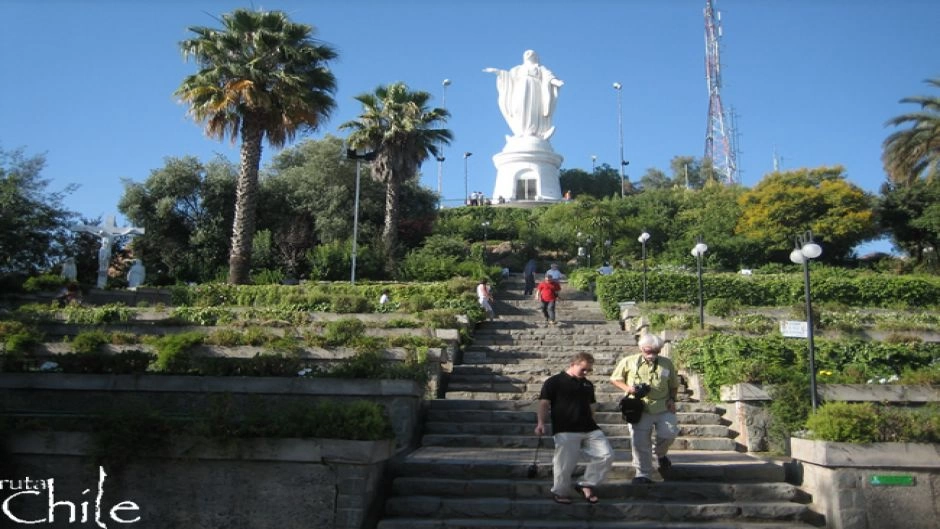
x: 746, y: 405
x: 871, y: 486
x: 197, y: 483
x: 60, y: 393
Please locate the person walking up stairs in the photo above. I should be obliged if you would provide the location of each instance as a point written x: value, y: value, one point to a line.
x: 481, y: 464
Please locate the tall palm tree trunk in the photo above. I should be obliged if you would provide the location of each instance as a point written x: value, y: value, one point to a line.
x: 390, y: 231
x: 246, y: 204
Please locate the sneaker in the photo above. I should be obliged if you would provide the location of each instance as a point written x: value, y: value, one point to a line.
x: 642, y: 480
x: 552, y: 322
x: 664, y: 463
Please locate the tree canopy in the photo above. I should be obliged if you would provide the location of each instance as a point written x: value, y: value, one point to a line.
x: 399, y: 128
x: 914, y: 152
x: 785, y: 204
x: 261, y: 76
x: 34, y: 224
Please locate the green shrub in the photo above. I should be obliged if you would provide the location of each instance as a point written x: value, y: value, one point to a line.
x: 110, y: 313
x: 351, y: 305
x: 97, y: 362
x: 16, y: 338
x: 206, y: 316
x: 582, y: 278
x: 367, y: 364
x: 174, y: 351
x: 754, y: 323
x: 844, y: 422
x: 123, y: 338
x: 90, y: 341
x: 402, y: 323
x: 721, y: 307
x: 442, y: 318
x: 44, y: 283
x: 929, y: 375
x: 417, y: 303
x: 789, y: 409
x: 343, y: 331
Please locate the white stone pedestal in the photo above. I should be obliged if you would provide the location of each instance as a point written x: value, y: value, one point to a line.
x: 527, y: 170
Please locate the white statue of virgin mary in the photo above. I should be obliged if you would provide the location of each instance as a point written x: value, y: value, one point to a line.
x: 527, y: 97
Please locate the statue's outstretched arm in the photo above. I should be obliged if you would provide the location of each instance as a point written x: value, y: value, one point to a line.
x: 491, y: 70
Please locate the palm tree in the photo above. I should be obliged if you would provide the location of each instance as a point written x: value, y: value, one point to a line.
x: 261, y: 75
x: 915, y: 151
x: 398, y: 127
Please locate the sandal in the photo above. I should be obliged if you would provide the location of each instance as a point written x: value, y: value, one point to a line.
x: 564, y: 500
x: 588, y: 493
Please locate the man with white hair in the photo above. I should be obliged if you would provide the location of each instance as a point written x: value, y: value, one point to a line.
x: 659, y: 404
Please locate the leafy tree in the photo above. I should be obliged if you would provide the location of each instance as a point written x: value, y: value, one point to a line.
x: 260, y: 76
x: 186, y: 208
x: 911, y: 214
x: 654, y: 179
x: 307, y: 199
x: 33, y: 222
x: 691, y: 173
x: 785, y: 204
x: 914, y: 152
x: 603, y: 182
x: 398, y: 127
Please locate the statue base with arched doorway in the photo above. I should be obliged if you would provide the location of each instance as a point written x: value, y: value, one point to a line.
x: 527, y: 170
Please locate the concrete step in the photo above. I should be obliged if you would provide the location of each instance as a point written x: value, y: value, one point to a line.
x: 619, y: 440
x: 513, y: 463
x: 462, y: 405
x: 620, y: 509
x: 541, y: 488
x: 528, y: 417
x: 586, y: 523
x: 525, y: 428
x: 529, y: 392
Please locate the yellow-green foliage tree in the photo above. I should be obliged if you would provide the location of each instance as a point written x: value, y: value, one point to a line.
x: 785, y: 204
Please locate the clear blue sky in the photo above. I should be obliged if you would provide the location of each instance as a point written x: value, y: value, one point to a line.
x: 90, y: 82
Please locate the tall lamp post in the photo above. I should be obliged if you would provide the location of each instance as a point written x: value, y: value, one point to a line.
x: 619, y: 88
x: 698, y: 251
x: 440, y: 150
x: 466, y: 175
x: 486, y: 226
x: 643, y: 238
x: 805, y: 250
x: 359, y: 156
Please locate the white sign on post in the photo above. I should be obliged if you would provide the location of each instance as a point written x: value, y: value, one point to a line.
x: 794, y: 329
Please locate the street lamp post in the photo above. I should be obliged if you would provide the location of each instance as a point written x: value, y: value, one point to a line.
x: 619, y: 88
x: 805, y: 250
x: 359, y: 156
x: 486, y: 226
x: 466, y: 175
x: 698, y: 251
x: 643, y: 238
x: 593, y: 163
x: 607, y: 243
x: 440, y: 150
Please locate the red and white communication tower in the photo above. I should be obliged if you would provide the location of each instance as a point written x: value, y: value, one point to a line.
x: 719, y: 146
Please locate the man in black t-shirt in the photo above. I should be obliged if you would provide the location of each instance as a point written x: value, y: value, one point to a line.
x: 567, y: 398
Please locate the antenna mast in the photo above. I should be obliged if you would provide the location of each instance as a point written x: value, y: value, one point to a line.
x: 718, y: 139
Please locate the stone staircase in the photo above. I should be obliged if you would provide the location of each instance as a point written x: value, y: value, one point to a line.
x: 472, y: 469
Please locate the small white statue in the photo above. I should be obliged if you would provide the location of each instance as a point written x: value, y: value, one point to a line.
x: 527, y: 96
x: 69, y: 271
x: 136, y: 275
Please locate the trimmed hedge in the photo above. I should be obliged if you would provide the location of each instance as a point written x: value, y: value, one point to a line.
x: 859, y: 290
